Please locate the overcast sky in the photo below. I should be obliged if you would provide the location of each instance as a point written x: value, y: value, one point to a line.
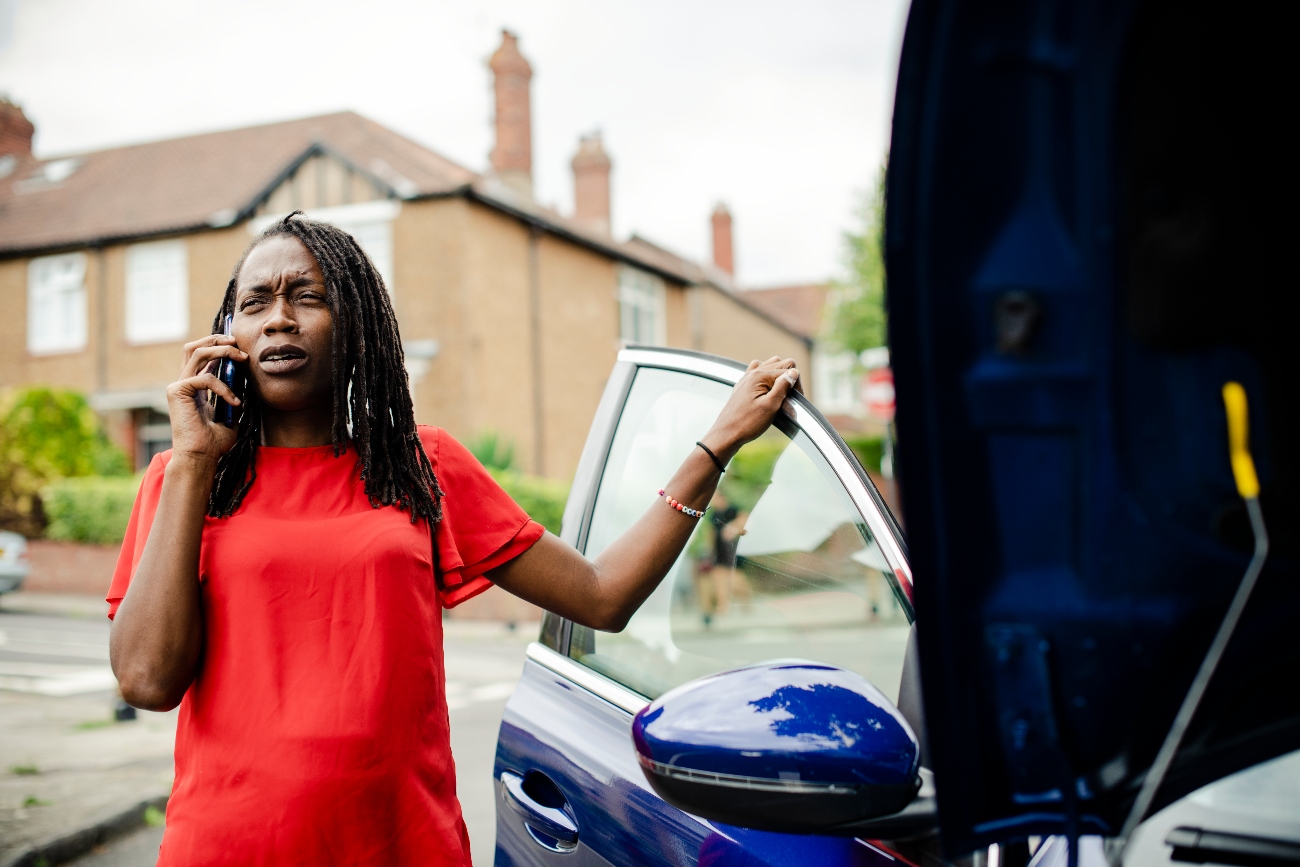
x: 781, y: 109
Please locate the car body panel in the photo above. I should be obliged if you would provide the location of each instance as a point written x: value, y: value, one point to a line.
x: 1075, y: 529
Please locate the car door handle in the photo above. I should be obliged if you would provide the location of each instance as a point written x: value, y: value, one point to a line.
x: 551, y: 821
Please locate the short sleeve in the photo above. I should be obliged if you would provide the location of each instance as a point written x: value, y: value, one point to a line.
x: 137, y: 531
x: 481, y: 527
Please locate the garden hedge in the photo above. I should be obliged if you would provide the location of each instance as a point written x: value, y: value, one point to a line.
x: 91, y: 509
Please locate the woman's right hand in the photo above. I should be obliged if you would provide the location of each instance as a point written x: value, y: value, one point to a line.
x: 194, y: 433
x: 158, y: 635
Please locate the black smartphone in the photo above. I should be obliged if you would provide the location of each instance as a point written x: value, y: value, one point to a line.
x: 229, y: 373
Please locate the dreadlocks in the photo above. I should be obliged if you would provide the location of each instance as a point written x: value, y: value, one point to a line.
x: 371, y: 394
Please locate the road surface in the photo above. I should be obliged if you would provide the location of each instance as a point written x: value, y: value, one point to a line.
x: 62, y: 760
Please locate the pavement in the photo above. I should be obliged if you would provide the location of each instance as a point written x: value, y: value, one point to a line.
x: 67, y: 767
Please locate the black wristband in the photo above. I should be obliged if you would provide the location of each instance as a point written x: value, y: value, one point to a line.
x: 708, y: 451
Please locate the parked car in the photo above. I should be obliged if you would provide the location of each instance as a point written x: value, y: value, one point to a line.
x: 14, y: 565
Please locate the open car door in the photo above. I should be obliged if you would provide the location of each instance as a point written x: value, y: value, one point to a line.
x: 1083, y: 248
x: 796, y: 558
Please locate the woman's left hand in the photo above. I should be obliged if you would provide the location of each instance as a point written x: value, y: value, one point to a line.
x: 754, y: 402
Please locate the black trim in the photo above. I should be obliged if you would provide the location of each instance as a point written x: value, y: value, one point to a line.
x: 920, y: 818
x: 788, y: 812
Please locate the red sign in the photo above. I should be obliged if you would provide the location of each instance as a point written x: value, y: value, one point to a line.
x: 878, y: 393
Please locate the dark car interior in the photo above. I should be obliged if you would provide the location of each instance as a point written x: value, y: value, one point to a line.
x: 1085, y: 242
x: 1204, y: 244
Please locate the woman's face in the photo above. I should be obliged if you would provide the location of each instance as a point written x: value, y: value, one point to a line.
x: 283, y: 321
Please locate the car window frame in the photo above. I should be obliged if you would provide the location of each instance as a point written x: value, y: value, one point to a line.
x: 554, y: 645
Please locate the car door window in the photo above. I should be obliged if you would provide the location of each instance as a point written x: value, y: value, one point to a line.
x: 781, y: 566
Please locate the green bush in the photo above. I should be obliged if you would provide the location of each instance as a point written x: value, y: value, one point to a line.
x: 96, y: 508
x: 47, y: 434
x: 90, y: 509
x: 542, y: 499
x: 870, y: 450
x: 54, y: 434
x: 492, y: 451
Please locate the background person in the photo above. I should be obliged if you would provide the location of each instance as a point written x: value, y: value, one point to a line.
x: 717, y: 579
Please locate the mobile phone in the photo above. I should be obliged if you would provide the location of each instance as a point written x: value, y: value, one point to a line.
x: 231, y: 375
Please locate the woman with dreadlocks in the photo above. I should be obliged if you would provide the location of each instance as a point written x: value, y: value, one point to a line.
x: 283, y: 581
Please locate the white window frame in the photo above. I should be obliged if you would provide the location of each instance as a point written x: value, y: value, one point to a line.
x: 837, y: 383
x: 642, y: 308
x: 56, y: 304
x: 157, y: 292
x: 371, y: 223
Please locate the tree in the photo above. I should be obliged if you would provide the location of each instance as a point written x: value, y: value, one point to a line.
x: 857, y: 318
x: 47, y: 434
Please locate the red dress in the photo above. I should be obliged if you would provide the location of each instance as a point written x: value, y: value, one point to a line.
x: 316, y: 729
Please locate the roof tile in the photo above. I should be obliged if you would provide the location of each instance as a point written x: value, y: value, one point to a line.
x: 800, y: 308
x: 181, y: 183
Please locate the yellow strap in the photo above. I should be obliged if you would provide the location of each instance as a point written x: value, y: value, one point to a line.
x: 1243, y: 465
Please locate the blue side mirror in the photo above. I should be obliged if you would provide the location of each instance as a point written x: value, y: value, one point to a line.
x: 785, y: 746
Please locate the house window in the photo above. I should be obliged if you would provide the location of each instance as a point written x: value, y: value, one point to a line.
x: 371, y: 223
x: 56, y: 303
x: 836, y: 383
x: 376, y: 239
x: 641, y: 308
x: 153, y: 435
x: 157, y: 292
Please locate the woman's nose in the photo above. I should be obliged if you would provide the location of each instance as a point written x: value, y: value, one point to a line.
x: 280, y: 317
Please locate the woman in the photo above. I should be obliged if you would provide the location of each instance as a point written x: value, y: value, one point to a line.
x: 283, y: 582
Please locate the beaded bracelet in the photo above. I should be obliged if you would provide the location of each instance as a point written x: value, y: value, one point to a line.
x: 686, y: 510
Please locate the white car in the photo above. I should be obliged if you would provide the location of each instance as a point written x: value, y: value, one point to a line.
x: 14, y: 565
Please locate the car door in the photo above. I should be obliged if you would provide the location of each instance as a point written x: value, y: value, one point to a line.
x: 797, y: 557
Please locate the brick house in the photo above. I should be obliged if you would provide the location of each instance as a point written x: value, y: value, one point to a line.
x: 836, y: 376
x: 511, y: 313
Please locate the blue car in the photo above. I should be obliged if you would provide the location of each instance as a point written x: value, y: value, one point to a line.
x: 1088, y: 292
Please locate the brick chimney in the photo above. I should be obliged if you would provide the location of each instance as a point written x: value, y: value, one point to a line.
x: 591, y: 183
x: 512, y: 157
x: 723, y: 255
x: 16, y: 130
